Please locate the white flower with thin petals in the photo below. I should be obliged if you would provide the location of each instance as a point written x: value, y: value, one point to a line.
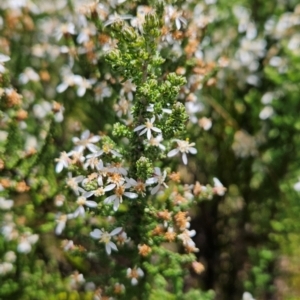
x: 83, y: 84
x: 156, y: 142
x: 184, y: 147
x: 65, y: 29
x: 122, y: 238
x: 116, y: 18
x: 102, y: 172
x: 107, y: 148
x: 138, y: 186
x: 62, y: 221
x: 128, y: 88
x: 101, y: 190
x: 63, y: 161
x: 76, y: 280
x: 117, y: 198
x: 73, y: 182
x: 86, y: 33
x: 28, y: 75
x: 172, y: 14
x: 92, y: 160
x: 147, y: 127
x: 81, y: 201
x: 69, y: 80
x: 102, y: 91
x: 105, y: 238
x: 117, y: 168
x: 134, y: 274
x: 158, y: 178
x: 86, y: 141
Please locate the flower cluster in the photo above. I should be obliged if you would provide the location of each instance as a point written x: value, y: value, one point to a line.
x: 118, y: 182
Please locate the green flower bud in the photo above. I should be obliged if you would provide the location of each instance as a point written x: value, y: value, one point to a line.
x: 151, y: 21
x: 144, y: 168
x: 129, y: 34
x: 117, y: 26
x: 114, y: 55
x: 90, y: 186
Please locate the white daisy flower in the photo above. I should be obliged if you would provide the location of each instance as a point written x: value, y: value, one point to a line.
x: 81, y: 201
x: 73, y: 182
x: 61, y: 220
x: 86, y: 141
x: 105, y: 238
x: 117, y: 198
x: 147, y: 127
x: 184, y: 147
x: 63, y: 161
x: 156, y: 142
x: 158, y: 178
x: 134, y: 274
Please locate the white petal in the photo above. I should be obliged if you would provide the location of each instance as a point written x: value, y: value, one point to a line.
x: 108, y: 249
x: 192, y: 233
x: 60, y: 227
x: 85, y: 134
x: 217, y: 182
x: 143, y: 131
x: 80, y: 211
x: 61, y: 87
x: 91, y: 204
x: 88, y: 194
x: 193, y: 150
x: 139, y: 127
x: 95, y: 139
x: 116, y: 204
x: 59, y: 167
x: 75, y: 139
x: 92, y: 148
x: 96, y: 234
x: 109, y: 187
x: 134, y: 281
x: 178, y: 25
x: 109, y: 199
x: 113, y: 246
x: 156, y: 129
x: 173, y: 152
x: 151, y: 180
x: 157, y: 171
x: 149, y: 135
x: 155, y: 189
x: 140, y: 272
x: 131, y: 195
x: 116, y: 231
x: 184, y: 158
